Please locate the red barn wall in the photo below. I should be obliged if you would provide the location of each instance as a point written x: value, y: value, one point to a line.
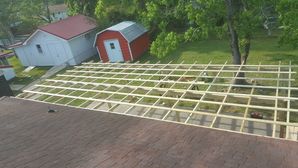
x: 112, y: 35
x: 139, y: 45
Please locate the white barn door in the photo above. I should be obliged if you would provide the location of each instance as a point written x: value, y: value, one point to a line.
x: 113, y: 50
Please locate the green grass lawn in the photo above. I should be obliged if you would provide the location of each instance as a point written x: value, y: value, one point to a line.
x: 25, y: 78
x: 263, y: 49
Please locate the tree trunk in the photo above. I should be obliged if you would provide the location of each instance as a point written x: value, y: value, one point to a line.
x: 142, y: 4
x: 234, y: 42
x: 46, y: 3
x: 246, y: 49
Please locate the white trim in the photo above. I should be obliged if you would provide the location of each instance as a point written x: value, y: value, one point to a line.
x: 39, y: 30
x: 94, y: 44
x: 32, y: 35
x: 96, y: 36
x: 124, y: 87
x: 116, y: 54
x: 98, y: 53
x: 130, y: 52
x: 81, y: 34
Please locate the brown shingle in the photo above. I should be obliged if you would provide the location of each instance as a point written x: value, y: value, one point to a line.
x: 32, y: 137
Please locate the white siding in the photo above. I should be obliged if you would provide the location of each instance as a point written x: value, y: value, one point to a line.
x: 8, y: 73
x: 55, y: 51
x: 82, y: 47
x: 56, y: 16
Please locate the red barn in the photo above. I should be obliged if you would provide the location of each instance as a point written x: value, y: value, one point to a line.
x: 125, y: 41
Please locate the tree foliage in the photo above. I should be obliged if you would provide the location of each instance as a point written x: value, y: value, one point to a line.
x: 198, y: 19
x: 164, y: 44
x: 171, y: 22
x: 288, y: 10
x: 26, y: 15
x: 85, y: 7
x: 109, y: 12
x: 7, y: 17
x: 32, y: 13
x: 165, y: 19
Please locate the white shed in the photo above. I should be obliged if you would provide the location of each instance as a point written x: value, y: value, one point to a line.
x: 69, y: 41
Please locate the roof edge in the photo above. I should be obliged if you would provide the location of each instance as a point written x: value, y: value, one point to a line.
x: 40, y: 30
x: 107, y: 29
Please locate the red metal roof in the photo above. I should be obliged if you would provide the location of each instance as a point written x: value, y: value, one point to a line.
x: 70, y: 27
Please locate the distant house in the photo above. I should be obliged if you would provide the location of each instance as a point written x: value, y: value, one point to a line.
x: 58, y: 12
x: 69, y: 41
x: 5, y: 67
x: 125, y: 41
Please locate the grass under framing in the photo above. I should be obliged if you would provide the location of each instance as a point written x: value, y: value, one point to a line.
x: 25, y: 78
x: 263, y: 49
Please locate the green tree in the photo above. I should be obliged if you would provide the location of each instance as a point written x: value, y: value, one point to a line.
x: 26, y: 15
x: 197, y: 19
x: 240, y: 18
x: 167, y: 21
x: 109, y: 12
x: 7, y: 18
x: 288, y: 12
x: 85, y: 7
x: 164, y: 44
x: 56, y: 1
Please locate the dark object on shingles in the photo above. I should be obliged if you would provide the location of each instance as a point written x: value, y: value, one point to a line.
x: 257, y: 115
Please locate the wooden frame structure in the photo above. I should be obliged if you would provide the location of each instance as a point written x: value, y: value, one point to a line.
x: 193, y: 94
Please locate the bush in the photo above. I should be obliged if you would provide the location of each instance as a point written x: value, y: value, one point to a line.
x: 164, y: 44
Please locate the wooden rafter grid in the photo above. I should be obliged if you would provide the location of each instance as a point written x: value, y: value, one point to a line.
x: 195, y: 94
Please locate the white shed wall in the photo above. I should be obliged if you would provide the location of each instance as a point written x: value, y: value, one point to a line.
x: 56, y: 16
x: 82, y: 47
x: 55, y: 51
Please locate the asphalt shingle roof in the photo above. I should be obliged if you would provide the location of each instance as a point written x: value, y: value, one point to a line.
x: 32, y: 137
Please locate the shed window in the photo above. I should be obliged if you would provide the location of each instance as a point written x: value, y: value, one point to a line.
x: 39, y: 48
x: 112, y: 45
